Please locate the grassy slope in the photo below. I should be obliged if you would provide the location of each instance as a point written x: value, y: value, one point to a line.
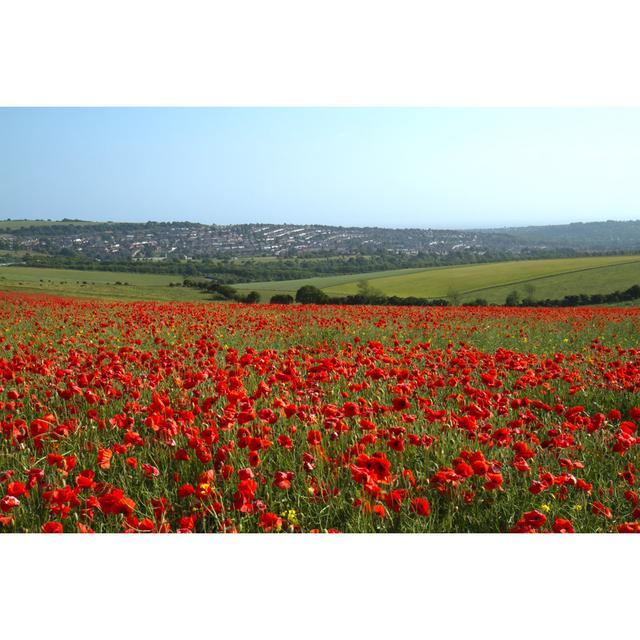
x: 99, y: 284
x: 551, y: 278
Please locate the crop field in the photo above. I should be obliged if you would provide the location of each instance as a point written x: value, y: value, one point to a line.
x: 113, y: 285
x: 492, y: 281
x: 181, y: 417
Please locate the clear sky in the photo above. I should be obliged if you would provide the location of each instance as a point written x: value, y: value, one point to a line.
x: 423, y: 167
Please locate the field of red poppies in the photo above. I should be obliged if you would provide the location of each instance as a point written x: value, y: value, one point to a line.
x: 157, y: 417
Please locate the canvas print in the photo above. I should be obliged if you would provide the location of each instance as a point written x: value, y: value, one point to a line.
x: 253, y: 320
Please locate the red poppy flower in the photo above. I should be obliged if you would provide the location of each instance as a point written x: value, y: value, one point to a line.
x: 421, y: 506
x: 8, y: 503
x: 282, y: 479
x: 599, y: 509
x: 186, y: 490
x: 400, y: 403
x: 150, y: 471
x: 16, y: 489
x: 562, y: 526
x: 104, y: 458
x: 270, y: 522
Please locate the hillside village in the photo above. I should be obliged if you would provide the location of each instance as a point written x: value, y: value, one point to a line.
x: 183, y: 240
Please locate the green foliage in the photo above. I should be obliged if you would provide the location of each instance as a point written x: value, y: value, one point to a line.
x: 493, y: 282
x: 512, y: 299
x: 311, y: 295
x: 253, y: 297
x: 584, y: 299
x: 281, y: 298
x: 478, y: 302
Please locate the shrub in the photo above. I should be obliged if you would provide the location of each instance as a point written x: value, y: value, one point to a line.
x: 311, y: 295
x: 281, y: 298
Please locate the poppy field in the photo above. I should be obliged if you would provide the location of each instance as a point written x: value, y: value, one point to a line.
x: 185, y: 417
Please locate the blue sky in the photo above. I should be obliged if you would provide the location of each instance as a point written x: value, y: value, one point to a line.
x: 418, y: 167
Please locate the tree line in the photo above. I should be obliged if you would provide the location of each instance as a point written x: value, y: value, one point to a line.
x: 368, y: 295
x: 235, y: 271
x: 575, y: 300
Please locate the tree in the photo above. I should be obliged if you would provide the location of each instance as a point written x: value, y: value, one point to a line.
x: 310, y: 295
x: 529, y: 290
x: 453, y: 296
x: 512, y: 299
x: 253, y: 297
x: 281, y: 298
x: 225, y: 290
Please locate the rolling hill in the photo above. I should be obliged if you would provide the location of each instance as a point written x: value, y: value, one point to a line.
x: 549, y: 279
x: 493, y: 281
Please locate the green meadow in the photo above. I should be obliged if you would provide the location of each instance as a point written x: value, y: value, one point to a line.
x: 493, y: 281
x: 96, y: 284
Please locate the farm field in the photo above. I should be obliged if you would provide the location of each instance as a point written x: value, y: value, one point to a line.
x: 181, y: 417
x: 492, y: 281
x: 96, y: 284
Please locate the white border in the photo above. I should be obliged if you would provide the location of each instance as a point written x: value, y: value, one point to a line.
x: 347, y: 52
x: 329, y: 53
x: 255, y: 586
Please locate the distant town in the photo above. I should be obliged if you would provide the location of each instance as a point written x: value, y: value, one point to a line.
x: 162, y: 241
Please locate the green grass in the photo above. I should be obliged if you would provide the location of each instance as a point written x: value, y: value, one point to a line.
x: 8, y: 225
x: 96, y: 284
x: 493, y: 281
x: 549, y: 278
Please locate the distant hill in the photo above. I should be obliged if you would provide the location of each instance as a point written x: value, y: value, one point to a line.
x: 11, y: 225
x: 601, y: 236
x: 539, y: 279
x: 167, y: 241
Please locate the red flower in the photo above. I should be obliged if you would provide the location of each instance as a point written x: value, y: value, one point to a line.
x: 104, y: 458
x: 282, y: 479
x: 51, y: 527
x: 186, y: 490
x: 599, y: 509
x: 9, y: 502
x: 396, y: 444
x: 150, y: 471
x: 270, y: 521
x: 533, y: 519
x: 421, y: 506
x: 285, y: 441
x: 379, y: 510
x: 400, y: 403
x: 16, y: 489
x: 634, y: 413
x: 85, y: 479
x: 377, y: 466
x: 494, y: 481
x: 464, y: 470
x: 394, y: 499
x: 115, y: 502
x: 562, y: 526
